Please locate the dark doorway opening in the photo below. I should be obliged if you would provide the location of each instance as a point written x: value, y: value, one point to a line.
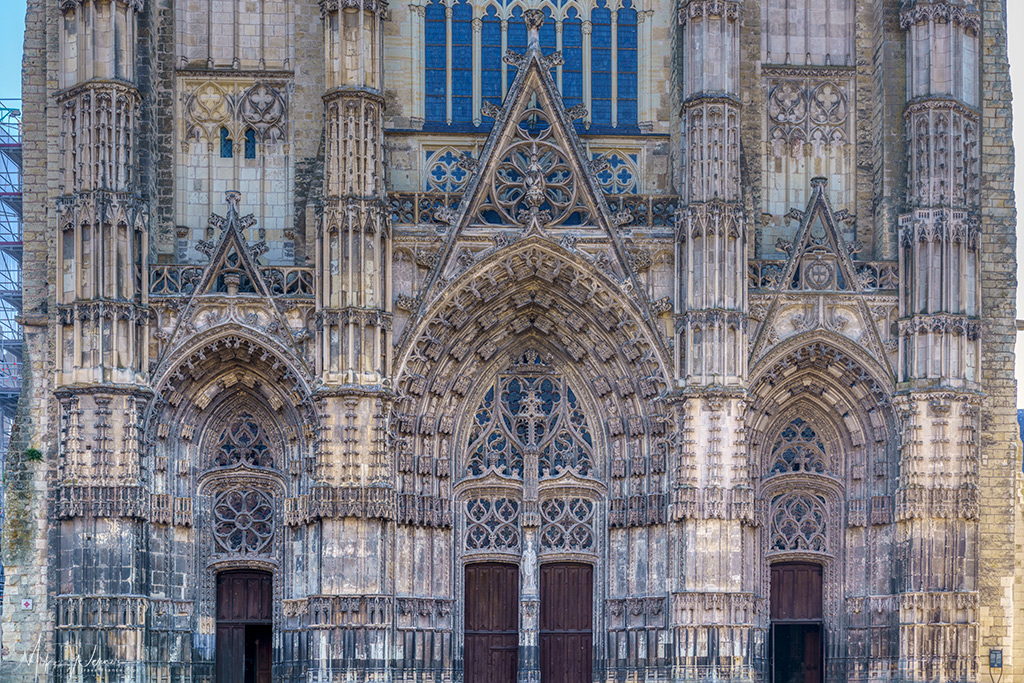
x: 797, y: 628
x: 245, y: 628
x: 566, y: 622
x: 492, y: 623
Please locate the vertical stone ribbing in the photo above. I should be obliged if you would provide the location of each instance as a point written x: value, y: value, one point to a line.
x: 101, y: 345
x: 940, y: 345
x: 712, y: 601
x: 353, y: 260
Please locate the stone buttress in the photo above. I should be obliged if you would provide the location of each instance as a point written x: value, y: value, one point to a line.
x: 940, y: 346
x: 353, y: 350
x: 715, y: 601
x: 99, y: 501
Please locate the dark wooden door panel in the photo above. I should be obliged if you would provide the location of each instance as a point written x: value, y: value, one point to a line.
x: 566, y: 622
x: 796, y: 592
x: 230, y: 644
x: 244, y: 652
x: 796, y: 653
x: 491, y: 646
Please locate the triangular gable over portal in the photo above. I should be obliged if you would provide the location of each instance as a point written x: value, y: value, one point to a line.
x: 232, y: 270
x: 820, y: 264
x: 533, y: 173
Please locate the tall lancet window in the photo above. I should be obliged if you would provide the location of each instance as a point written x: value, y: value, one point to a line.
x: 464, y: 42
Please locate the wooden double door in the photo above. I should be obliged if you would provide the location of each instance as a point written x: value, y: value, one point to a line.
x: 244, y: 627
x: 491, y: 653
x: 797, y: 633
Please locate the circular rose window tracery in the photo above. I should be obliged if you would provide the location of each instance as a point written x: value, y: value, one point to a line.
x: 243, y: 521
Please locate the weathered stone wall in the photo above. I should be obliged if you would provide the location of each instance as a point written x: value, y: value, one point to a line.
x: 999, y: 563
x: 331, y: 375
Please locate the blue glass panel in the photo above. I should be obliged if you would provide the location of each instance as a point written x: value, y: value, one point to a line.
x: 462, y: 63
x: 601, y: 67
x: 572, y: 51
x: 548, y: 41
x: 627, y: 66
x: 490, y: 58
x: 516, y: 38
x: 250, y: 144
x: 226, y: 151
x: 436, y: 60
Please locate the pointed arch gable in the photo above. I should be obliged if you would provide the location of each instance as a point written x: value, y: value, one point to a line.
x: 537, y: 176
x: 822, y: 375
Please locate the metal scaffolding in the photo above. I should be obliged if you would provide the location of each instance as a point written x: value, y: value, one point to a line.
x: 10, y: 274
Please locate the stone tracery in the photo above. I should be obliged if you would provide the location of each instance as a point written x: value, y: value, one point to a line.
x: 243, y: 521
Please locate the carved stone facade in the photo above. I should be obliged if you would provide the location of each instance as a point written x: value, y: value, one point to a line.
x: 276, y: 321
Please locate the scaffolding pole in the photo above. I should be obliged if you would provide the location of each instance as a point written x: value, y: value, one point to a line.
x: 11, y: 216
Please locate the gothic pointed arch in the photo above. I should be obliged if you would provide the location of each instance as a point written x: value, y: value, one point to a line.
x: 823, y: 445
x: 540, y: 295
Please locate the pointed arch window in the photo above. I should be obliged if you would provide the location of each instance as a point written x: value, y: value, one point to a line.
x: 463, y: 50
x: 226, y: 144
x: 244, y: 442
x: 530, y: 411
x: 250, y: 144
x: 798, y: 449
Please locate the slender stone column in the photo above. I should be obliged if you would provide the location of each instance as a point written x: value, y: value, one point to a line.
x: 940, y: 346
x: 99, y: 502
x: 714, y: 590
x: 351, y: 600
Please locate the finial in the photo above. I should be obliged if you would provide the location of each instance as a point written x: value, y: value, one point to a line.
x: 534, y: 19
x: 232, y: 197
x: 819, y: 183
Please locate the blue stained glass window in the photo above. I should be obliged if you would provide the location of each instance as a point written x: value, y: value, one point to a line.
x: 490, y: 57
x: 490, y: 60
x: 626, y: 64
x: 462, y: 62
x: 516, y: 38
x: 250, y: 144
x: 601, y: 67
x: 226, y: 146
x: 435, y: 40
x: 572, y: 51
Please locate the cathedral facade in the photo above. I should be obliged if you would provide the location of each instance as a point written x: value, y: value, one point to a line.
x: 506, y: 341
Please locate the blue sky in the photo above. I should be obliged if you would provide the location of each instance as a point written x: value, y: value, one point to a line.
x: 12, y: 33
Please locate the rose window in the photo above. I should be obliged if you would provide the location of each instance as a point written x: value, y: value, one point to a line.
x: 243, y: 521
x: 533, y: 178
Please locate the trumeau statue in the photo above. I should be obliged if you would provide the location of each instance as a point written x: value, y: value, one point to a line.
x: 491, y: 342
